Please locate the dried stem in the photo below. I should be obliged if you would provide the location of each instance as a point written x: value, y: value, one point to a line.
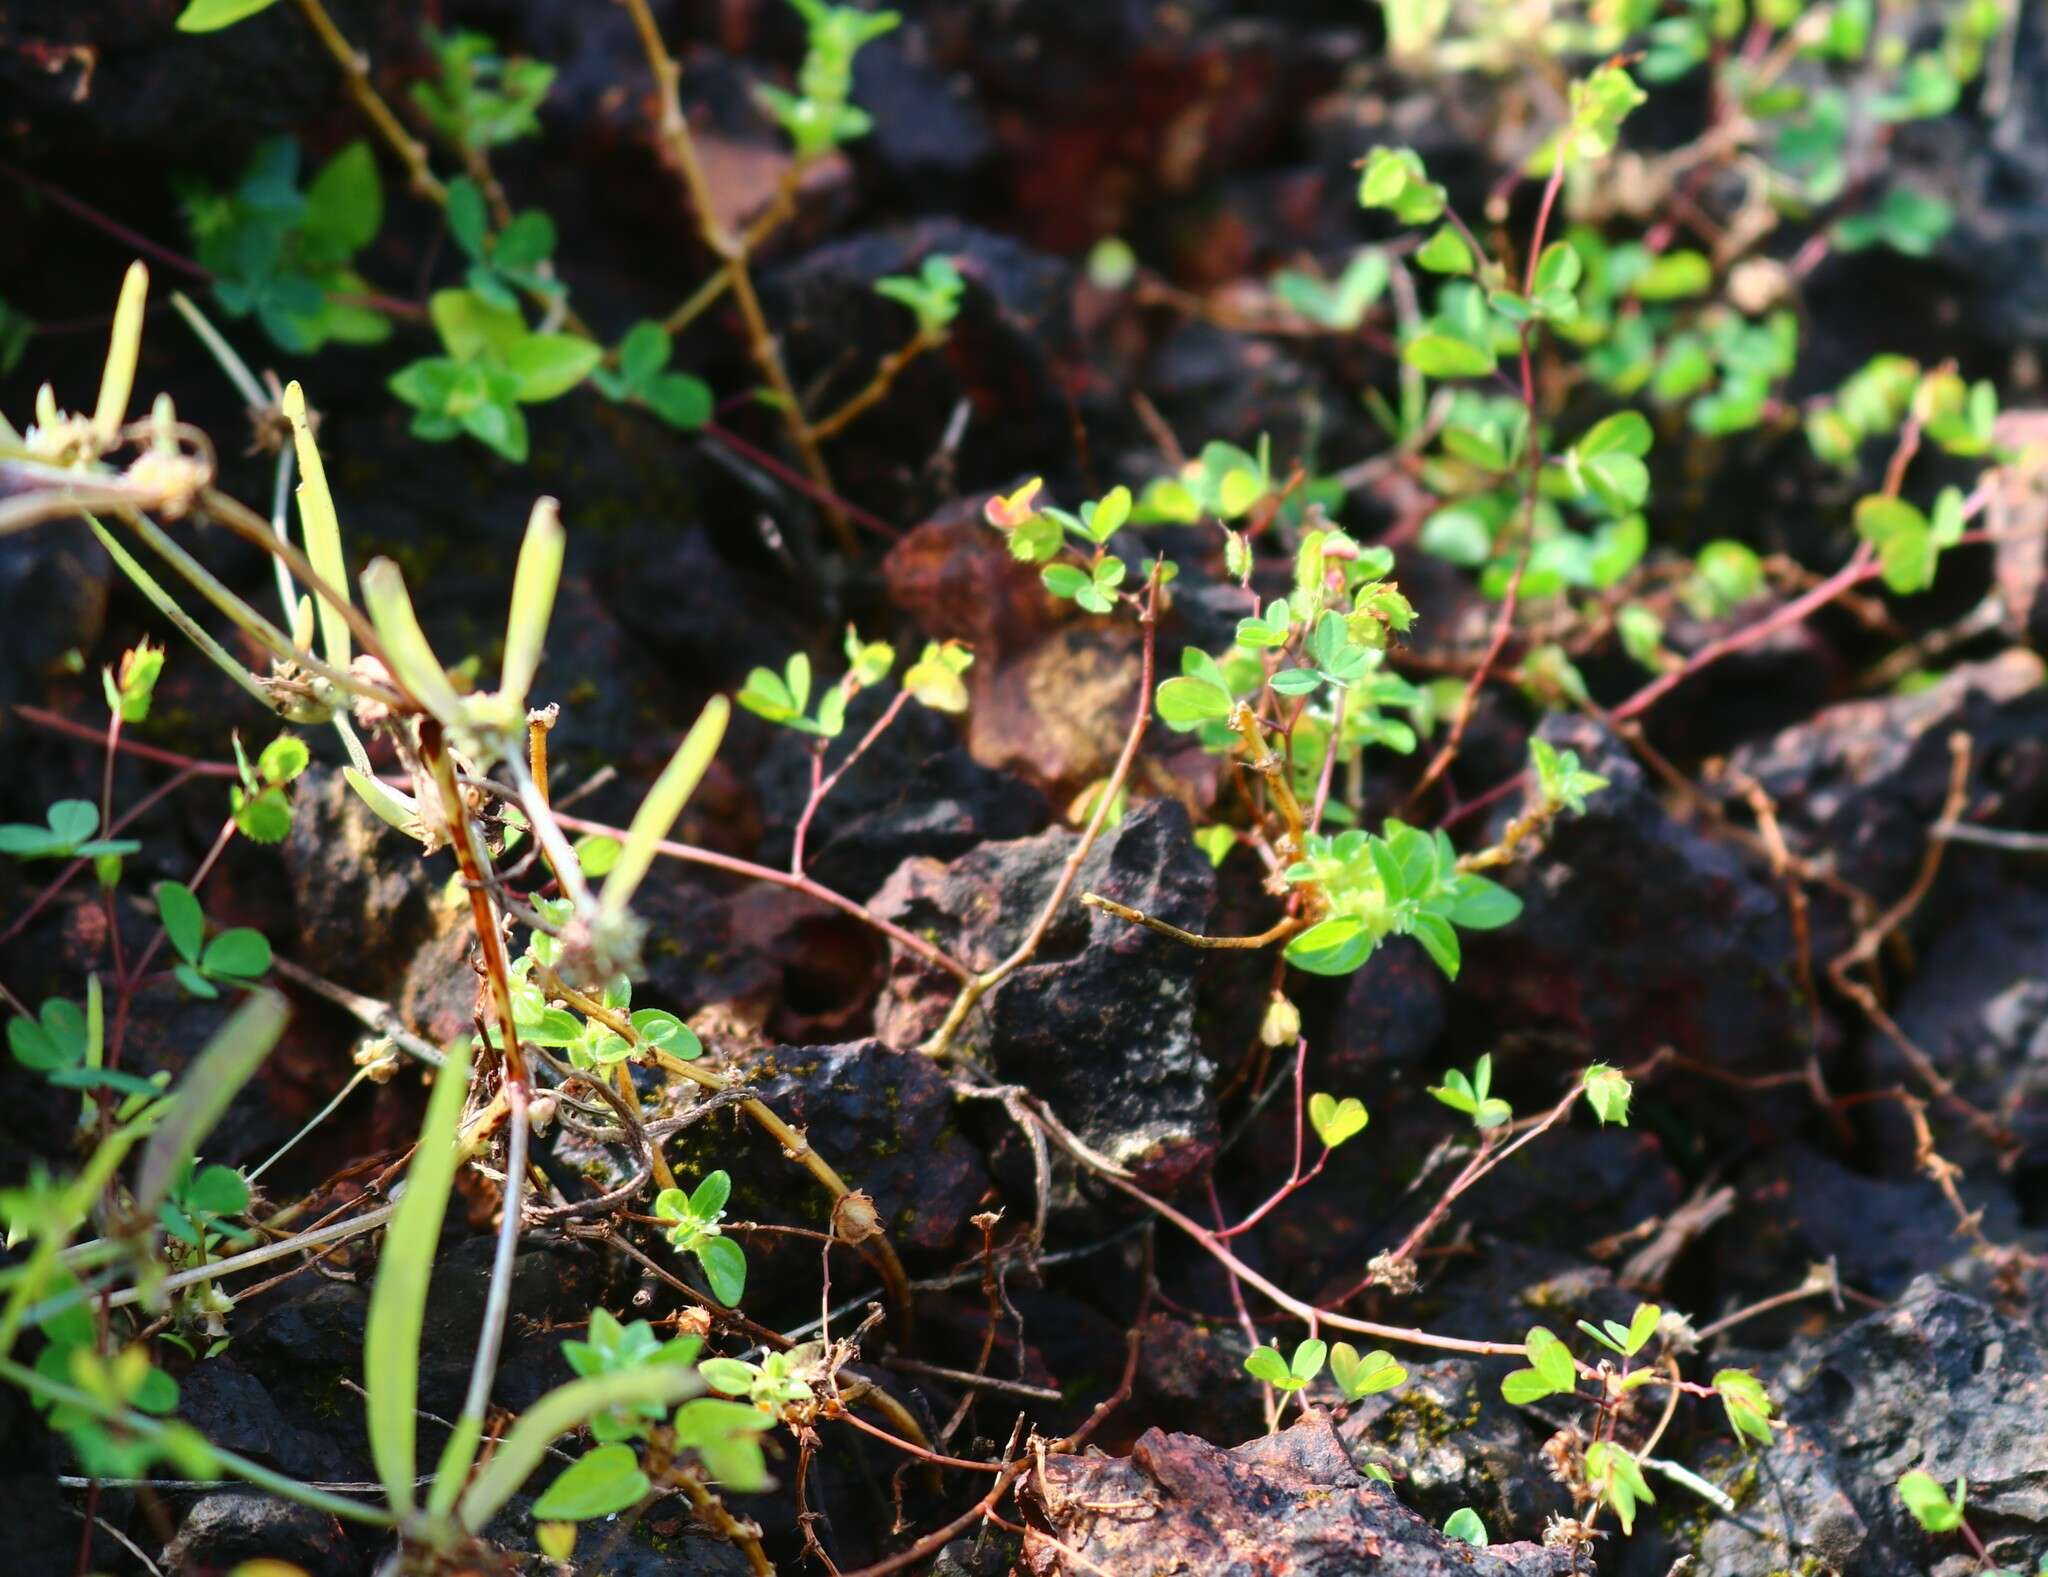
x: 887, y: 371
x: 355, y: 72
x: 731, y: 250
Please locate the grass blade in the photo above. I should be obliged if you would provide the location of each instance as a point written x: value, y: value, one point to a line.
x: 117, y: 378
x: 212, y: 1080
x: 664, y: 803
x: 398, y: 1302
x: 321, y: 527
x: 413, y: 663
x: 533, y: 601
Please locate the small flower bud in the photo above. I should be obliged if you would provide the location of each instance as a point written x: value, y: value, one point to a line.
x: 1282, y: 1023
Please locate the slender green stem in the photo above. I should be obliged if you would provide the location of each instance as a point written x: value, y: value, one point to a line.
x: 152, y: 1429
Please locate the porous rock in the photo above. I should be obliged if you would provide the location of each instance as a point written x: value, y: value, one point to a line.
x: 1638, y: 931
x: 1101, y: 1024
x: 1938, y: 1382
x: 1291, y: 1502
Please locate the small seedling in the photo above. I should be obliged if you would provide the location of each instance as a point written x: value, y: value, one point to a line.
x: 642, y: 378
x: 695, y: 1231
x: 262, y: 810
x: 1617, y: 1479
x: 932, y: 294
x: 483, y: 100
x: 67, y: 834
x: 287, y: 256
x: 1747, y: 1406
x: 1288, y: 1375
x: 1359, y: 1377
x: 1551, y: 1372
x: 238, y: 956
x: 779, y: 1380
x: 819, y: 117
x: 1336, y: 1121
x: 1464, y: 1526
x: 1630, y: 1339
x: 613, y: 1348
x: 1474, y: 1096
x: 1608, y: 1092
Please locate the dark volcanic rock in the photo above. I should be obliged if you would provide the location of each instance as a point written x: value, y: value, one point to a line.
x: 1639, y: 932
x: 883, y: 1118
x: 1102, y: 1023
x: 1978, y: 1006
x: 1450, y: 1442
x: 53, y: 583
x: 1003, y: 353
x: 1291, y: 1502
x: 915, y: 791
x: 364, y: 898
x: 1939, y: 1382
x: 232, y: 1409
x: 1863, y: 781
x: 1801, y: 1207
x: 223, y: 1530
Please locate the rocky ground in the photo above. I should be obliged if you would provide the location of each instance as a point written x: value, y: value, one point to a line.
x: 1663, y: 928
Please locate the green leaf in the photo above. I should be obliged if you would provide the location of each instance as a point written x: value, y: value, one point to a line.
x: 209, y: 16
x: 1335, y: 946
x: 398, y: 1300
x: 1557, y: 269
x: 680, y: 400
x: 1524, y: 1386
x: 1064, y: 580
x: 1438, y: 940
x: 1551, y: 1359
x: 1464, y: 1526
x: 725, y: 1268
x: 667, y: 1033
x: 1930, y: 1503
x: 470, y: 326
x: 1360, y: 1377
x: 1266, y: 1364
x: 1307, y: 1362
x: 1748, y: 1407
x: 1641, y: 1327
x: 1620, y: 481
x: 643, y: 353
x: 1483, y: 905
x: 183, y: 921
x: 708, y: 1201
x: 1673, y: 276
x: 550, y: 365
x: 241, y: 953
x: 564, y: 1408
x: 1186, y: 703
x: 73, y: 821
x: 1441, y: 356
x: 597, y: 1484
x: 283, y: 759
x: 1446, y: 253
x: 1458, y: 533
x: 57, y: 1038
x: 1617, y: 1477
x: 1607, y: 1092
x: 345, y: 202
x: 1335, y: 1121
x: 1625, y: 432
x: 217, y: 1190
